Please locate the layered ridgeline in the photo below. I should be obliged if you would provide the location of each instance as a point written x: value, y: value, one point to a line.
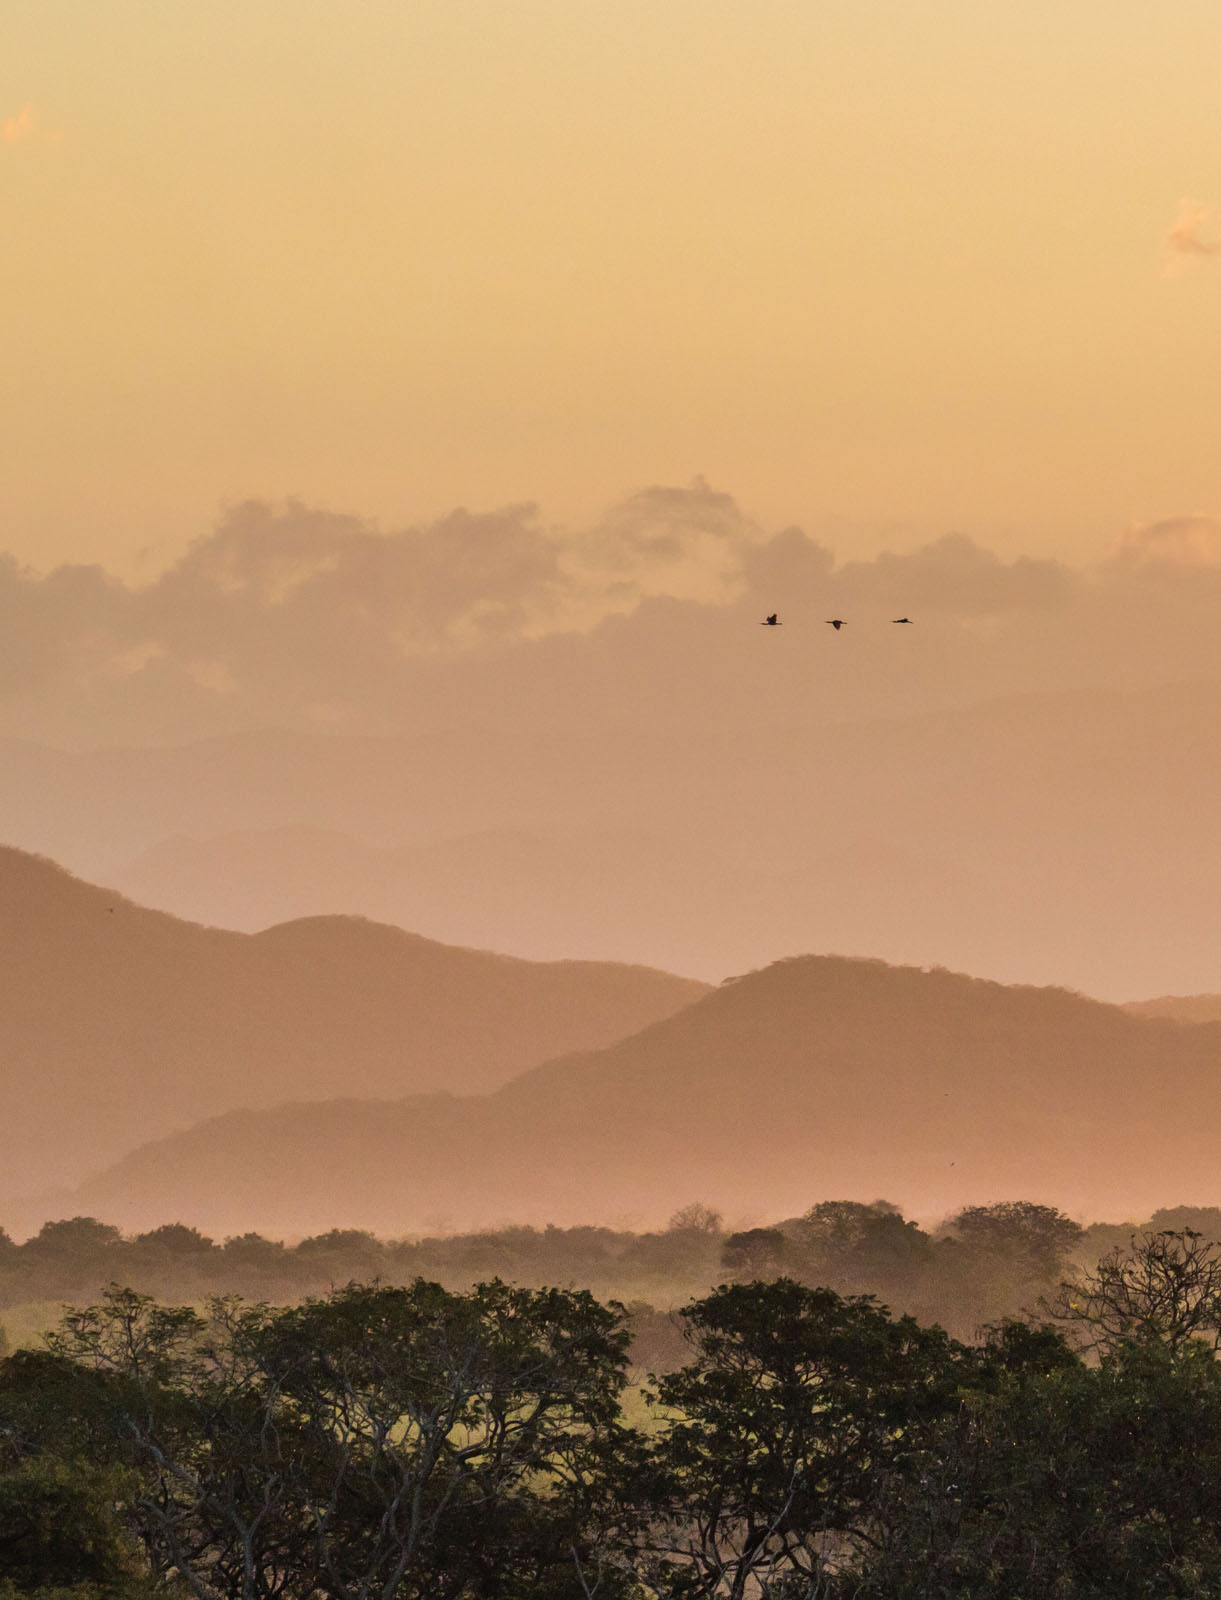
x: 816, y: 1077
x: 703, y: 824
x: 119, y: 1024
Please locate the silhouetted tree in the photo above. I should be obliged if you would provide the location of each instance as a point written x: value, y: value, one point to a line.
x: 772, y: 1438
x: 1204, y: 1220
x: 79, y: 1237
x: 1054, y: 1478
x: 1000, y: 1260
x: 858, y: 1249
x: 252, y: 1249
x: 755, y: 1253
x: 404, y: 1442
x: 1035, y: 1239
x: 696, y: 1218
x: 176, y: 1238
x: 1164, y: 1289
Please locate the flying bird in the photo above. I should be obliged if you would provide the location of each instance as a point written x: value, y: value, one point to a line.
x: 772, y: 622
x: 835, y: 622
x: 900, y: 619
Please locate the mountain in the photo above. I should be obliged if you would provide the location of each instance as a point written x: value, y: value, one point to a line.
x: 1027, y: 840
x: 533, y: 894
x: 119, y: 1024
x: 1179, y: 1007
x: 816, y: 1077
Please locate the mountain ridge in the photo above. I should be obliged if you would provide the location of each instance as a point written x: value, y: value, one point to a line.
x: 119, y: 1023
x: 816, y: 1077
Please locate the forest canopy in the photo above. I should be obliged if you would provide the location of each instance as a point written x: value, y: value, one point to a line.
x: 416, y: 1442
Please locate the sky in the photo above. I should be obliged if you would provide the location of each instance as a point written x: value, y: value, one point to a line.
x: 887, y: 272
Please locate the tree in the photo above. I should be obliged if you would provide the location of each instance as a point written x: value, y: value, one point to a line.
x: 1053, y: 1477
x: 176, y: 1238
x: 253, y: 1250
x: 58, y: 1526
x: 999, y: 1261
x: 755, y: 1253
x: 857, y: 1248
x: 1034, y: 1240
x: 696, y: 1218
x: 771, y: 1440
x: 378, y: 1441
x: 1165, y: 1288
x: 62, y: 1478
x: 74, y: 1236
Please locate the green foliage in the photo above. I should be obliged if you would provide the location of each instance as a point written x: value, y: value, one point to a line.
x: 1089, y: 1483
x: 796, y: 1400
x: 404, y: 1441
x: 59, y: 1524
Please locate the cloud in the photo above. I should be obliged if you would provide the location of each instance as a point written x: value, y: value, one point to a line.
x: 661, y: 541
x: 954, y: 576
x: 24, y: 127
x: 295, y: 616
x: 18, y: 128
x: 1175, y: 542
x: 1191, y: 238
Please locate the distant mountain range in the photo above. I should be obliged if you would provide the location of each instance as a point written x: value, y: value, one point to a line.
x: 120, y: 1024
x: 1055, y: 838
x: 816, y: 1077
x: 611, y: 894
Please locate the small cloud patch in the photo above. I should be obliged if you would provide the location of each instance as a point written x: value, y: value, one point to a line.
x: 1194, y: 236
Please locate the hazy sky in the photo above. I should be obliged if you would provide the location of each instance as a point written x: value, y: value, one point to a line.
x: 886, y: 270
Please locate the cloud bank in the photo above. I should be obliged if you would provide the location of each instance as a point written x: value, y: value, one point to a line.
x: 295, y: 616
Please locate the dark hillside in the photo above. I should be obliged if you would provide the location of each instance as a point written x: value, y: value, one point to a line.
x: 119, y: 1024
x: 1194, y: 1008
x: 816, y: 1077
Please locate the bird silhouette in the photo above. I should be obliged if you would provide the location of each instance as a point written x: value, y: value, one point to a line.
x: 835, y: 622
x: 900, y: 619
x: 772, y: 622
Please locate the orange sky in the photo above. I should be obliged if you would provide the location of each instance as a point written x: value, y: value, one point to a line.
x: 884, y: 270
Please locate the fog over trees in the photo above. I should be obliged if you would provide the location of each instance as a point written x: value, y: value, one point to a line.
x: 977, y: 1266
x: 420, y: 1442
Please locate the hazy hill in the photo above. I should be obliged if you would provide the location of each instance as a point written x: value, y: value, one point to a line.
x: 1179, y: 1007
x: 609, y: 894
x: 1025, y: 839
x: 817, y: 1077
x: 118, y: 1023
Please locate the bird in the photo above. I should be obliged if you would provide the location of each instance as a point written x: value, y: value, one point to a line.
x: 900, y: 619
x: 772, y: 622
x: 835, y: 622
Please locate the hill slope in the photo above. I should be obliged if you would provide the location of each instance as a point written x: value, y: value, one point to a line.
x: 119, y: 1024
x: 815, y: 1077
x: 1025, y: 839
x: 1179, y: 1007
x: 652, y: 895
